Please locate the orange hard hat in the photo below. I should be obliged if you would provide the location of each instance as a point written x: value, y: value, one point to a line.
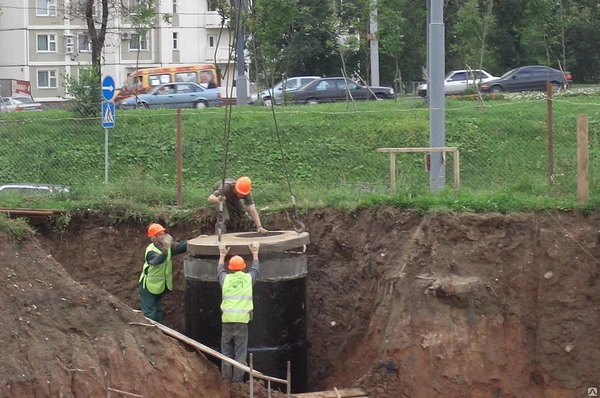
x: 236, y: 263
x: 155, y: 229
x: 243, y: 186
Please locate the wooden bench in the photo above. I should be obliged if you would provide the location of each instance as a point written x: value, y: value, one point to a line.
x: 394, y: 151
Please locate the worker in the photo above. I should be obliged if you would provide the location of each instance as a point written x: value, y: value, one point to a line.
x: 156, y: 279
x: 232, y: 194
x: 237, y: 306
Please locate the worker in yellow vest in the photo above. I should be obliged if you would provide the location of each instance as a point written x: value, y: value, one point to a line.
x: 156, y: 279
x: 237, y: 306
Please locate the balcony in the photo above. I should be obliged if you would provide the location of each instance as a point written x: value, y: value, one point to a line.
x: 212, y: 20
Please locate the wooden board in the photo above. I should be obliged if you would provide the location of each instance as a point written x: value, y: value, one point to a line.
x: 349, y: 393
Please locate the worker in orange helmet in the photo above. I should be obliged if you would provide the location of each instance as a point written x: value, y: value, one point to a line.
x: 237, y: 306
x: 232, y: 193
x: 156, y: 279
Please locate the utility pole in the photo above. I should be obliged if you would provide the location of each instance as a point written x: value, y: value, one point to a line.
x: 241, y: 82
x: 437, y: 99
x: 374, y: 45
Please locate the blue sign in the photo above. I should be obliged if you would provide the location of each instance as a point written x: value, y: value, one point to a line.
x: 108, y: 114
x: 108, y: 88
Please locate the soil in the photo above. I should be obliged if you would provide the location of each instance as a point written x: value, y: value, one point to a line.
x: 400, y: 305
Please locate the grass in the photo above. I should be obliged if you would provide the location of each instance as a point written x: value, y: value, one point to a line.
x: 329, y: 152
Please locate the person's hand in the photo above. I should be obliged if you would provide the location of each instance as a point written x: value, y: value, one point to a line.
x: 167, y: 240
x: 223, y: 249
x: 261, y: 230
x: 222, y: 198
x: 254, y: 247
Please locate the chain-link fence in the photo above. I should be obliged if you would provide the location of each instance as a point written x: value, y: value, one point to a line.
x: 503, y: 147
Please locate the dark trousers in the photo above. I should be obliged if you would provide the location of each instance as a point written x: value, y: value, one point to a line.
x: 232, y: 216
x: 151, y: 304
x: 234, y: 344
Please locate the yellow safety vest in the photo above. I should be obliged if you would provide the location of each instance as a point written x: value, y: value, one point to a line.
x: 237, y: 303
x: 157, y: 278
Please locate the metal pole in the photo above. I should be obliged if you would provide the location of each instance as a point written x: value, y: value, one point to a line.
x: 251, y: 377
x: 289, y: 379
x: 106, y: 156
x: 179, y: 156
x: 241, y: 81
x: 374, y: 45
x: 435, y: 88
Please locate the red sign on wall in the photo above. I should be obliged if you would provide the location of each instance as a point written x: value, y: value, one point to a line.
x: 21, y: 87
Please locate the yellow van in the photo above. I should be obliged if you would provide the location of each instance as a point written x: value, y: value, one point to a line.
x: 204, y: 74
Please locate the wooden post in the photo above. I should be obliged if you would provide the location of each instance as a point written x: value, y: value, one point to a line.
x: 456, y: 171
x: 393, y: 172
x: 550, y: 138
x: 583, y: 184
x: 179, y: 159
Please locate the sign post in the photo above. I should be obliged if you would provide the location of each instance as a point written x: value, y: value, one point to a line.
x: 107, y: 116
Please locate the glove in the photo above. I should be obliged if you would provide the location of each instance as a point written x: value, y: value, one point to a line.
x: 261, y: 230
x: 223, y: 249
x: 254, y: 247
x: 167, y: 240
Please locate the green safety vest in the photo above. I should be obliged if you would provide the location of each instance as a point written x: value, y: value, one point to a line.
x: 155, y: 278
x: 237, y: 303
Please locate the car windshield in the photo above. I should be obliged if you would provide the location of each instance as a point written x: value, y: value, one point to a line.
x: 23, y: 100
x: 146, y: 90
x: 507, y: 74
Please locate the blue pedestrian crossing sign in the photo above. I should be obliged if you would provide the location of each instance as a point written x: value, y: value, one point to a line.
x: 108, y: 114
x: 108, y: 88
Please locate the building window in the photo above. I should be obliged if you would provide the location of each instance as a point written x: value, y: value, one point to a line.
x: 211, y: 5
x: 212, y: 40
x: 96, y: 7
x: 138, y: 43
x: 46, y: 79
x: 175, y: 46
x: 46, y: 8
x: 84, y: 44
x: 174, y: 6
x: 46, y: 43
x: 133, y: 6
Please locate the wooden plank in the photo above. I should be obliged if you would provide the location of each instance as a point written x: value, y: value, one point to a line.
x: 349, y: 393
x: 583, y: 184
x: 433, y: 149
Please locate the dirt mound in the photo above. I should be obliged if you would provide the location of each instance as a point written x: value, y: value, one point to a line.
x: 399, y: 305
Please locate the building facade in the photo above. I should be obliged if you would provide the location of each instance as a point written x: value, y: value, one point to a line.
x: 44, y: 40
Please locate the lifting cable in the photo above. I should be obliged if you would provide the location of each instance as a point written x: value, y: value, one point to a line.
x: 299, y: 226
x: 220, y: 223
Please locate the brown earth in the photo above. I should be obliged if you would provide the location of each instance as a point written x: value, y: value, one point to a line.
x: 398, y: 304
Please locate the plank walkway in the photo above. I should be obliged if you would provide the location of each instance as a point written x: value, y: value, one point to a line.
x: 349, y: 393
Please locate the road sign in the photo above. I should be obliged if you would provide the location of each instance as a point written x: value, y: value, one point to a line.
x: 108, y: 114
x: 108, y: 88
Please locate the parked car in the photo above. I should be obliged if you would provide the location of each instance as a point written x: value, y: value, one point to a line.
x: 529, y: 78
x: 458, y: 81
x: 36, y: 189
x: 276, y: 92
x: 19, y: 103
x: 174, y: 95
x: 332, y: 89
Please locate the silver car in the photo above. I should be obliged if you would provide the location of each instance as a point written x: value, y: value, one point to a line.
x: 18, y: 104
x: 276, y: 92
x: 174, y: 95
x: 458, y: 81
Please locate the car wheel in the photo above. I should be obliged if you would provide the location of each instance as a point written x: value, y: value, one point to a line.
x: 312, y: 101
x: 200, y: 105
x: 556, y: 86
x: 496, y: 89
x: 268, y: 102
x: 141, y: 105
x: 380, y: 96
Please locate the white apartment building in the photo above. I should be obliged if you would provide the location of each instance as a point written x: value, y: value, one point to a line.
x: 41, y: 41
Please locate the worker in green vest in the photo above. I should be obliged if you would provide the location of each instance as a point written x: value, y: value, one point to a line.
x: 156, y: 279
x: 237, y: 306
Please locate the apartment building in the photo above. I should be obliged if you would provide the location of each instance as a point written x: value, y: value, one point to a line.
x: 43, y: 40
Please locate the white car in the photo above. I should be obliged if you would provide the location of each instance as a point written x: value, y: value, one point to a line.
x: 458, y: 81
x: 19, y: 103
x: 276, y: 92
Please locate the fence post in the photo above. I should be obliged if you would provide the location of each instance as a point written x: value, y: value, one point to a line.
x: 179, y: 159
x: 582, y: 159
x: 550, y: 132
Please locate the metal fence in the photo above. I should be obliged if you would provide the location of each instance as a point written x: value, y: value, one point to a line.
x: 503, y: 146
